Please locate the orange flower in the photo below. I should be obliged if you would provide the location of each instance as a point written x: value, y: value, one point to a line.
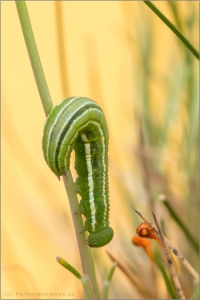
x: 144, y: 230
x: 145, y: 244
x: 138, y: 241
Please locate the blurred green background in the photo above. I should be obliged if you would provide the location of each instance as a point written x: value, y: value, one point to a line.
x: 122, y: 56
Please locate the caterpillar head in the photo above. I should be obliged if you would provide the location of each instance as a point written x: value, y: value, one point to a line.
x: 100, y: 238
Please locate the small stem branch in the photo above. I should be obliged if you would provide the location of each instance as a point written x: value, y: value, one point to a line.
x: 174, y: 250
x: 34, y: 56
x: 169, y: 260
x: 172, y: 27
x: 69, y: 267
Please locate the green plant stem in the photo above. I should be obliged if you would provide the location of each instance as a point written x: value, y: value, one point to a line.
x: 85, y: 280
x: 173, y: 28
x: 85, y: 252
x: 34, y: 56
x: 168, y: 281
x: 180, y: 223
x: 196, y: 294
x: 108, y: 281
x: 88, y: 288
x: 62, y: 51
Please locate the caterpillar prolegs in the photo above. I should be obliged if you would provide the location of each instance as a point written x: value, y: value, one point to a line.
x: 79, y: 123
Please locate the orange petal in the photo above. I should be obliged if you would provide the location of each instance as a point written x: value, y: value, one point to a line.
x: 145, y: 244
x: 138, y: 241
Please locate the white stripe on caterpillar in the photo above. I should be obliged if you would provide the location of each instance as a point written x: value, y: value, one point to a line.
x: 79, y: 123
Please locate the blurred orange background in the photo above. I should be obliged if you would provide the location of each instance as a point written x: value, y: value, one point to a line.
x: 103, y: 62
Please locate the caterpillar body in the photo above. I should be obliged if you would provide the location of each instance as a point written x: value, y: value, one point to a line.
x: 79, y: 123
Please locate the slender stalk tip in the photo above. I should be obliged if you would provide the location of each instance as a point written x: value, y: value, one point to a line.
x: 162, y: 198
x: 135, y: 209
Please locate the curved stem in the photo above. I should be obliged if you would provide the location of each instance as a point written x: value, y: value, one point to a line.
x: 173, y: 28
x: 85, y: 252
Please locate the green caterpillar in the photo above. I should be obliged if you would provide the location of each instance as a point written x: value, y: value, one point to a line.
x: 79, y: 123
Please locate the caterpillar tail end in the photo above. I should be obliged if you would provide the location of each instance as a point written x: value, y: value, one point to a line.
x: 100, y: 238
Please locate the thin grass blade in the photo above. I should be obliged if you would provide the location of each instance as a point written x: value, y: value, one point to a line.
x: 108, y: 281
x: 180, y: 223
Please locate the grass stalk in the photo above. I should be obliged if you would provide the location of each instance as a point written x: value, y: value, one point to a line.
x: 62, y: 51
x: 176, y: 14
x: 85, y: 252
x: 108, y: 281
x: 138, y: 283
x: 173, y: 28
x: 169, y: 260
x: 196, y: 294
x: 167, y: 279
x: 178, y: 220
x: 144, y: 164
